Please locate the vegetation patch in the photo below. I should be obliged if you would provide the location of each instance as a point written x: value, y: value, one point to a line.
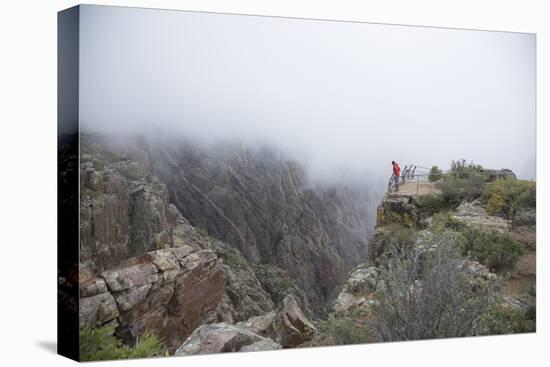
x: 390, y: 235
x: 232, y: 258
x: 506, y: 197
x: 432, y: 203
x: 463, y: 182
x: 435, y: 174
x: 503, y: 319
x: 101, y: 344
x: 344, y: 329
x: 498, y: 251
x: 428, y: 295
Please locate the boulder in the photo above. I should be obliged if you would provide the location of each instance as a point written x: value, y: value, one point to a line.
x: 262, y: 325
x: 292, y: 328
x: 262, y: 345
x: 223, y: 337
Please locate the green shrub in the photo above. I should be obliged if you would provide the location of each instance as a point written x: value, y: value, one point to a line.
x: 428, y: 294
x: 506, y: 196
x: 507, y: 320
x: 344, y: 329
x: 233, y: 258
x: 464, y: 182
x: 101, y: 344
x: 497, y: 251
x: 457, y: 188
x: 445, y: 220
x: 435, y: 174
x: 460, y: 169
x: 285, y: 284
x: 432, y: 203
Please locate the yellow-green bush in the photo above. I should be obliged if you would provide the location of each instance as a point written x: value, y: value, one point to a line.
x: 101, y: 344
x: 506, y: 196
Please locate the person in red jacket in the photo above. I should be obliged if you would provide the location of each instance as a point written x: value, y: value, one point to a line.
x: 396, y: 173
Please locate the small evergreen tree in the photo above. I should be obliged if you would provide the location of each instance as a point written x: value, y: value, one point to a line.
x: 435, y: 174
x: 100, y: 343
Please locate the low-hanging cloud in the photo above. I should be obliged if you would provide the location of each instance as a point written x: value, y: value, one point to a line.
x: 336, y: 95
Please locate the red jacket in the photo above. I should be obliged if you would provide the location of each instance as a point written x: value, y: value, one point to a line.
x: 396, y: 169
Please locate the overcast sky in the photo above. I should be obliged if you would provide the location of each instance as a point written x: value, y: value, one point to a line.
x: 334, y: 94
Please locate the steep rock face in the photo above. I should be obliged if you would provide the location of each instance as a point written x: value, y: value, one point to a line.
x: 124, y: 211
x: 398, y: 209
x: 260, y: 203
x: 167, y: 292
x: 125, y: 217
x: 244, y: 295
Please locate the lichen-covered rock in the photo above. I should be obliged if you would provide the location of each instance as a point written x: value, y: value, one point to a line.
x: 398, y: 209
x: 223, y: 337
x: 473, y: 214
x: 363, y: 279
x: 361, y: 284
x: 132, y: 276
x: 97, y: 309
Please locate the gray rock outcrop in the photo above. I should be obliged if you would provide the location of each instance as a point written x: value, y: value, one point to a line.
x: 473, y: 214
x: 167, y: 292
x: 223, y: 337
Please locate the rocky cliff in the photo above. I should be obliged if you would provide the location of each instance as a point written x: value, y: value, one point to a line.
x: 414, y: 221
x: 253, y: 199
x: 143, y: 266
x: 177, y: 236
x: 261, y: 203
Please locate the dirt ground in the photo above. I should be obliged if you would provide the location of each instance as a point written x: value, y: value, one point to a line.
x: 416, y: 188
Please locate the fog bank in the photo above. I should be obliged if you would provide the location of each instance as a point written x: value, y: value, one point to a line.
x: 338, y: 96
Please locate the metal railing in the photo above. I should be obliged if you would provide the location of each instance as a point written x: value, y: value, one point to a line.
x: 422, y: 174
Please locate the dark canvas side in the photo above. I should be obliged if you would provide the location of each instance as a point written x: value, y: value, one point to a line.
x: 67, y: 182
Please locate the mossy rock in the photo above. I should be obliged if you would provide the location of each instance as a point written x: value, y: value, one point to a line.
x: 399, y: 210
